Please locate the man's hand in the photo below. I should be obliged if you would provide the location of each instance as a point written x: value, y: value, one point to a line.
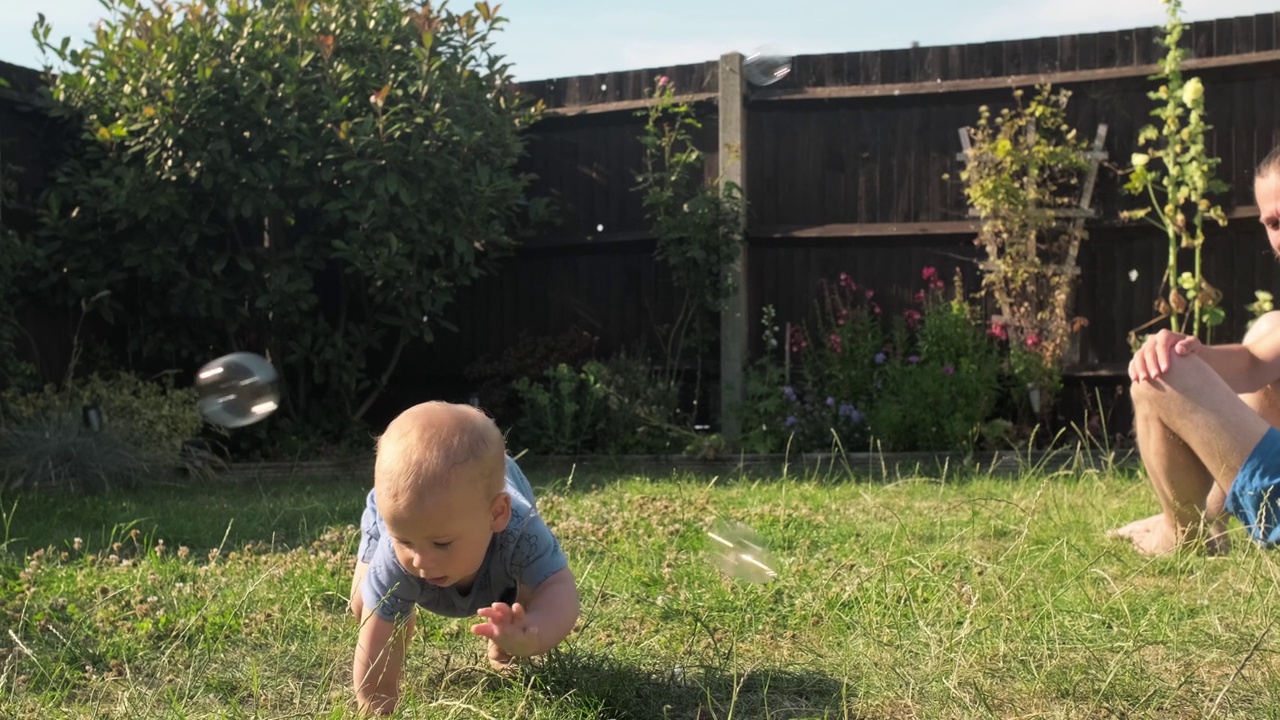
x: 508, y: 626
x: 1153, y: 358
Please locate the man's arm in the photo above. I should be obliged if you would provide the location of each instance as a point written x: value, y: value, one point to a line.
x: 378, y: 663
x: 1239, y: 365
x: 1245, y: 368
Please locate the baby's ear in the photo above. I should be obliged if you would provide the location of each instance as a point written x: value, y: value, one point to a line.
x: 500, y: 512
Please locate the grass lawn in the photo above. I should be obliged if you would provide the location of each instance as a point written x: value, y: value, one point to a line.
x: 926, y: 597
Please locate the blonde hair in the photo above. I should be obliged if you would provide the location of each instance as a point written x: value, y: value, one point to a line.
x: 435, y: 447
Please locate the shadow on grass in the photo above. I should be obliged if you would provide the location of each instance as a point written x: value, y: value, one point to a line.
x: 201, y: 515
x: 609, y: 687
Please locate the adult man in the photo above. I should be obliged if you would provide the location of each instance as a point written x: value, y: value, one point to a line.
x: 1206, y: 418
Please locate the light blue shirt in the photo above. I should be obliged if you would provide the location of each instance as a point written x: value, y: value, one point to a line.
x: 525, y: 554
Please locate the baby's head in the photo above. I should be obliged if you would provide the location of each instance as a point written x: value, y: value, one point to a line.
x: 439, y: 480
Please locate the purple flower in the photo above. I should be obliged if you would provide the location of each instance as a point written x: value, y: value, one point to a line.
x: 789, y: 393
x: 948, y: 370
x: 880, y: 358
x: 790, y: 421
x: 831, y: 402
x: 850, y: 413
x: 913, y: 359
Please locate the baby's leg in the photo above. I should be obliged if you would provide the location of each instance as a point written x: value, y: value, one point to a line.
x: 356, y: 603
x: 500, y: 659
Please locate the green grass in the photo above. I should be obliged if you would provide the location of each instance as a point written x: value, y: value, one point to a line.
x: 969, y: 597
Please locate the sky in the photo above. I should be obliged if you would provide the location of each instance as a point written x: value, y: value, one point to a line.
x: 560, y: 38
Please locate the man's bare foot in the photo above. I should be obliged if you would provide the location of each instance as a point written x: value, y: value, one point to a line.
x: 1154, y: 536
x: 500, y: 659
x: 1150, y: 536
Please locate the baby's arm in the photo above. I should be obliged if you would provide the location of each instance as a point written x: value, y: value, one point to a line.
x: 379, y: 661
x: 554, y: 609
x: 547, y: 620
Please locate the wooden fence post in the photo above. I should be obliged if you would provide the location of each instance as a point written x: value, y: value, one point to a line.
x: 733, y: 319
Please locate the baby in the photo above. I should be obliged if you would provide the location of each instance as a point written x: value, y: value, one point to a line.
x: 451, y: 525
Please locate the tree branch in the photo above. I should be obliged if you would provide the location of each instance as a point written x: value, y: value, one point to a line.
x: 382, y: 381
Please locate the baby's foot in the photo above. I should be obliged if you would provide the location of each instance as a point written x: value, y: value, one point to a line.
x: 1150, y: 536
x: 500, y: 659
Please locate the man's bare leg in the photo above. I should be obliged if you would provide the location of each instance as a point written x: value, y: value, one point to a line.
x: 1194, y: 434
x: 1157, y: 534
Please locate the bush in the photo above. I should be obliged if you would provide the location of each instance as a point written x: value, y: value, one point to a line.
x: 527, y: 359
x: 643, y: 404
x: 930, y: 383
x: 621, y: 406
x: 563, y: 414
x: 940, y: 393
x: 322, y: 176
x: 46, y: 440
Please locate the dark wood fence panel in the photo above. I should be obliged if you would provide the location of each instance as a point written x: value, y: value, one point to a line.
x: 618, y: 293
x: 587, y: 166
x: 851, y: 149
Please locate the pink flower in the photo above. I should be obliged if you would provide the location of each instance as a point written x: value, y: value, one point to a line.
x: 842, y: 315
x: 797, y: 339
x: 870, y: 294
x: 948, y: 370
x: 875, y: 309
x: 920, y: 297
x: 833, y: 340
x: 929, y: 274
x: 663, y: 81
x: 1033, y: 340
x: 847, y: 282
x: 998, y: 330
x: 913, y: 317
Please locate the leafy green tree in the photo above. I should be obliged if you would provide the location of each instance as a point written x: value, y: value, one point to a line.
x: 313, y: 180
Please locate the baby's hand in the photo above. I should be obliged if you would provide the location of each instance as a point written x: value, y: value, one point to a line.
x: 509, y: 627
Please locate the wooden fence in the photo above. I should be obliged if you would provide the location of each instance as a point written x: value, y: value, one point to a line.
x: 844, y: 164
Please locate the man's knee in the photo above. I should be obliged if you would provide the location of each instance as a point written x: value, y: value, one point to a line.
x: 1142, y: 393
x: 1186, y: 373
x: 1264, y: 325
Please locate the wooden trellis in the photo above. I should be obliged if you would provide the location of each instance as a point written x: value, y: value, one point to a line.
x: 1082, y: 211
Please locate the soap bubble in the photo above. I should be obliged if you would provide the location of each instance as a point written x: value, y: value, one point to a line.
x: 237, y: 390
x: 739, y: 552
x: 766, y: 66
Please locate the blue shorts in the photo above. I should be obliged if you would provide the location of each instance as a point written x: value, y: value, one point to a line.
x: 1254, y: 497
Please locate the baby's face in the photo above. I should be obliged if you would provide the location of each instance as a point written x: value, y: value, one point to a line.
x: 444, y: 539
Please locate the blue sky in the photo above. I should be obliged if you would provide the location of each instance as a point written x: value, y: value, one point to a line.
x: 556, y: 38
